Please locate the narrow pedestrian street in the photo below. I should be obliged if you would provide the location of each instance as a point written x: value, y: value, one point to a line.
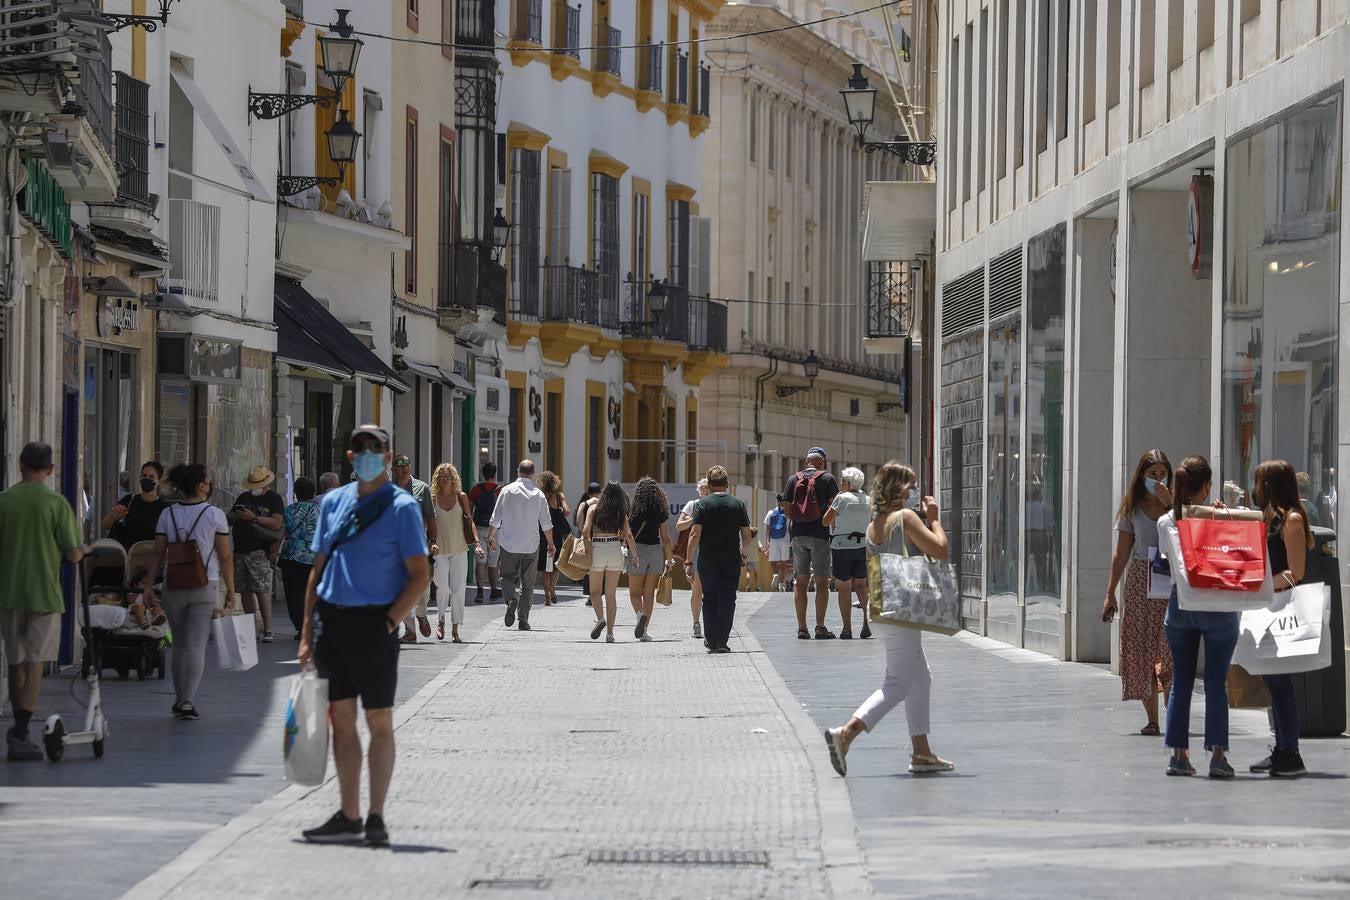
x: 543, y: 764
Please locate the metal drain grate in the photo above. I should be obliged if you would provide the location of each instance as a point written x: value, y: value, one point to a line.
x: 511, y: 884
x: 681, y: 857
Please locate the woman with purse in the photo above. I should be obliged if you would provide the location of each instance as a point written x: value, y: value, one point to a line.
x: 192, y: 544
x: 894, y: 529
x: 1185, y: 629
x: 1288, y: 540
x: 297, y: 559
x: 456, y: 533
x: 605, y: 534
x: 1145, y: 661
x: 558, y: 513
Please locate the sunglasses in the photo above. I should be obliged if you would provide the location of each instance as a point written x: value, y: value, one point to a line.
x: 402, y: 461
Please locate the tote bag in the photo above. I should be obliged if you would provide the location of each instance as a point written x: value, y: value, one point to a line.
x: 1291, y: 635
x: 1199, y: 599
x: 1225, y: 554
x: 305, y: 737
x: 570, y: 563
x: 913, y: 592
x: 234, y: 642
x: 665, y: 587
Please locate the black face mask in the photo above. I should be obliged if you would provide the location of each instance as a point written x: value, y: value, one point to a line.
x: 148, y: 485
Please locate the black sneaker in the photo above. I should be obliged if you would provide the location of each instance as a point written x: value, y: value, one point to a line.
x: 188, y: 711
x: 524, y: 626
x: 337, y: 830
x: 599, y: 627
x: 641, y: 628
x: 177, y: 709
x: 1263, y: 767
x: 510, y: 614
x: 376, y: 834
x: 866, y: 631
x: 1286, y: 764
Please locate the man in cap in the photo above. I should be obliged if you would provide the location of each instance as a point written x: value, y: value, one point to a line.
x: 806, y: 497
x: 370, y: 568
x: 421, y: 492
x: 257, y: 518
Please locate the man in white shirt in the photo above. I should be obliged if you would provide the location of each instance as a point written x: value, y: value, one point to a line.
x: 520, y: 514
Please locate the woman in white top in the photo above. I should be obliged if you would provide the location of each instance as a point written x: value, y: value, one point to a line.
x: 190, y: 611
x: 450, y: 560
x: 847, y: 520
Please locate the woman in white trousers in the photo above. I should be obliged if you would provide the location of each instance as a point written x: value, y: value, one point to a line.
x: 455, y: 534
x: 893, y: 529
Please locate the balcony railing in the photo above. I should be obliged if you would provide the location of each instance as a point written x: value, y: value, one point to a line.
x: 93, y: 92
x: 529, y: 24
x: 650, y: 67
x: 475, y: 23
x: 567, y: 30
x: 194, y: 250
x: 571, y: 294
x: 607, y: 50
x: 133, y: 139
x: 704, y: 90
x: 892, y: 288
x: 295, y: 9
x: 707, y: 325
x: 673, y: 323
x: 679, y: 79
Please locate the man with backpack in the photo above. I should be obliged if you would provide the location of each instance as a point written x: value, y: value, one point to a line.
x: 806, y: 497
x: 482, y: 498
x: 778, y: 546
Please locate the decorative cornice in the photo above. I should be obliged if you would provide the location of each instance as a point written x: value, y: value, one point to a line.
x: 677, y: 191
x: 607, y: 165
x: 523, y: 137
x: 289, y: 33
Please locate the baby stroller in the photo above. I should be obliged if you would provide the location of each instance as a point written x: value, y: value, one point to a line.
x: 125, y: 643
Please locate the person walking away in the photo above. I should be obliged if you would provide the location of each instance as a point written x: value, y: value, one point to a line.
x: 589, y: 500
x: 520, y: 513
x: 327, y: 482
x: 722, y: 543
x: 847, y: 519
x: 482, y: 497
x: 38, y: 529
x: 1185, y: 630
x: 1145, y: 660
x: 456, y: 536
x: 778, y: 546
x: 683, y: 524
x: 605, y: 533
x: 651, y: 510
x: 370, y: 568
x: 195, y: 522
x: 806, y: 496
x: 257, y: 517
x: 297, y: 559
x: 135, y: 516
x: 421, y: 492
x: 895, y: 528
x: 558, y: 512
x: 1275, y: 491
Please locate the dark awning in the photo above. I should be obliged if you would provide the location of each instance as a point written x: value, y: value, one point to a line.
x: 309, y: 335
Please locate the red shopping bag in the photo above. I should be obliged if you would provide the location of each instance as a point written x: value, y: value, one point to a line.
x: 1224, y: 554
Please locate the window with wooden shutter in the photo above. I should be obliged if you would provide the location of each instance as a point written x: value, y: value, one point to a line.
x: 559, y: 249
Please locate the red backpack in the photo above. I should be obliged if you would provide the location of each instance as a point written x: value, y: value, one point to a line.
x: 804, y: 505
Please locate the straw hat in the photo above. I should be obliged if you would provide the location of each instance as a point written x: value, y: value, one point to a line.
x: 258, y: 477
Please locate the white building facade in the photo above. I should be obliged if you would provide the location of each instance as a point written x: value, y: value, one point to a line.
x: 1139, y: 236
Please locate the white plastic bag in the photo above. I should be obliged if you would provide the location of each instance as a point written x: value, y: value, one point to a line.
x: 1207, y: 599
x: 1291, y: 635
x: 234, y: 643
x: 305, y: 739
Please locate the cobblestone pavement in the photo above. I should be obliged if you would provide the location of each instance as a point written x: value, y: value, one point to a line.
x: 534, y: 754
x: 1056, y: 794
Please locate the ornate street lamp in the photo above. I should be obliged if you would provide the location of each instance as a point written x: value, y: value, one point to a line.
x: 657, y: 299
x: 501, y: 233
x: 342, y: 140
x: 860, y: 102
x: 148, y: 23
x: 811, y: 368
x: 340, y: 51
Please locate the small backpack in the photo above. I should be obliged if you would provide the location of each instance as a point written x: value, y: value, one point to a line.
x: 778, y: 524
x: 184, y: 568
x: 482, y: 507
x: 805, y: 506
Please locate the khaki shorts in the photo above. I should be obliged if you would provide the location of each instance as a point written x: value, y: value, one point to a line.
x: 607, y: 556
x: 30, y: 636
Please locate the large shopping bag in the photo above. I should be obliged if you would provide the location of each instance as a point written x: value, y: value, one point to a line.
x: 1159, y: 575
x: 305, y: 738
x: 1292, y: 635
x: 1245, y: 690
x: 1223, y: 553
x: 234, y: 642
x: 913, y: 592
x: 1200, y: 599
x: 665, y: 587
x: 567, y: 560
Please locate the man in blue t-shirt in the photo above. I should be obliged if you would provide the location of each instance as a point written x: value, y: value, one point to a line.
x: 370, y: 566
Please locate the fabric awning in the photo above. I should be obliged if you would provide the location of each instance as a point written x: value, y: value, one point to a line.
x: 309, y: 335
x: 426, y: 370
x: 207, y: 113
x: 899, y: 218
x: 460, y: 383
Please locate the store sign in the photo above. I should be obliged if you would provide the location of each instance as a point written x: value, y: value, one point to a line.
x: 118, y: 315
x: 1199, y: 219
x: 215, y: 359
x: 535, y: 446
x: 46, y: 206
x: 612, y: 452
x: 536, y: 408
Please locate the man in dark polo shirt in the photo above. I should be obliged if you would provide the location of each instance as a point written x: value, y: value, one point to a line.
x: 720, y: 540
x: 370, y: 566
x: 811, y: 539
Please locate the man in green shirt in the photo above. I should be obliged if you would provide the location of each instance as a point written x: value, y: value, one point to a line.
x: 37, y: 529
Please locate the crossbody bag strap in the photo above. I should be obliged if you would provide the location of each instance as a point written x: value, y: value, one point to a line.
x: 383, y: 501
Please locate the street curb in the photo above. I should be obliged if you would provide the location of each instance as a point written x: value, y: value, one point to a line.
x: 840, y: 850
x: 162, y: 881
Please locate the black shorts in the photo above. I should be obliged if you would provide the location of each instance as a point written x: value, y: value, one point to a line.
x: 846, y: 565
x: 357, y: 653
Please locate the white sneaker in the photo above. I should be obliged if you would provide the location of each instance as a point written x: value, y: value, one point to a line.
x: 698, y: 630
x: 609, y: 639
x: 646, y: 636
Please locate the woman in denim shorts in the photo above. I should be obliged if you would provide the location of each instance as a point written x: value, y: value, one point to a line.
x: 651, y: 509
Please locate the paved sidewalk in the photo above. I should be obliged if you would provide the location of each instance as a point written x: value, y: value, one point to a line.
x: 535, y: 754
x: 1056, y: 794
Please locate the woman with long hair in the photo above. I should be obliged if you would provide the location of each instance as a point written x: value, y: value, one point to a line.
x: 450, y: 552
x: 1145, y: 662
x: 1185, y: 630
x: 605, y: 533
x: 1275, y: 490
x: 558, y: 512
x: 651, y: 509
x: 683, y: 524
x: 895, y: 528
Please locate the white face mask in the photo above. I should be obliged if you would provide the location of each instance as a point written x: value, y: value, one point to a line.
x: 258, y: 492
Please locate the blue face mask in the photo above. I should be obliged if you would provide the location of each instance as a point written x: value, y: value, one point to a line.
x: 1151, y: 484
x: 368, y: 464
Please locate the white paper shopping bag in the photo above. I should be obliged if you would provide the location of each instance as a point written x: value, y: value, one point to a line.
x: 234, y: 643
x: 1291, y: 635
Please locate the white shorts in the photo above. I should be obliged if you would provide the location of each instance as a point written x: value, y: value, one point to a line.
x: 780, y: 550
x: 607, y: 556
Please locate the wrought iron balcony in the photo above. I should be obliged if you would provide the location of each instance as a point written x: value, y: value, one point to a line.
x: 133, y: 140
x: 707, y: 325
x: 93, y: 92
x: 194, y: 250
x: 479, y: 282
x: 704, y: 90
x: 643, y: 320
x: 649, y: 67
x: 567, y: 30
x: 475, y: 23
x: 607, y: 55
x: 893, y: 287
x: 529, y: 21
x: 295, y: 9
x: 679, y: 79
x: 571, y: 294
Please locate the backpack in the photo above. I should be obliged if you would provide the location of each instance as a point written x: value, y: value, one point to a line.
x: 184, y: 568
x: 482, y: 507
x: 778, y: 524
x: 805, y: 506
